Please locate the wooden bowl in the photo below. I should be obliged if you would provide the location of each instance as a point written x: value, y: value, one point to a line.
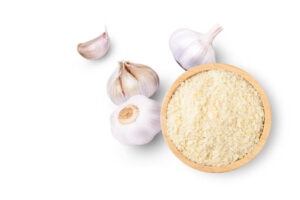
x: 267, y: 122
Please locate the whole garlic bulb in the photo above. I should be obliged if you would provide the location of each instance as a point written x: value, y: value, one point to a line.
x: 96, y: 48
x: 191, y: 48
x: 136, y: 121
x: 130, y: 79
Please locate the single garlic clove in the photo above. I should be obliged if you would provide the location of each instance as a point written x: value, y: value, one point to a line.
x: 136, y: 121
x: 147, y: 78
x: 191, y: 48
x: 131, y: 79
x: 130, y: 85
x: 96, y: 48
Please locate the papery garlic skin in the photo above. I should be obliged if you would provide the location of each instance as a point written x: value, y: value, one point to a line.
x: 96, y: 48
x: 191, y: 48
x: 136, y: 121
x: 130, y: 79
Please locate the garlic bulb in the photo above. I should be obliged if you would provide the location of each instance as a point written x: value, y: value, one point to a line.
x: 130, y: 79
x: 136, y: 121
x: 191, y: 48
x: 96, y: 48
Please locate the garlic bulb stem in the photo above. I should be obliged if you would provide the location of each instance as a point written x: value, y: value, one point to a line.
x: 214, y: 31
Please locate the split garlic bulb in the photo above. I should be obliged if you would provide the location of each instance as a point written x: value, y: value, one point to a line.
x: 191, y: 48
x: 130, y: 79
x: 136, y: 121
x: 96, y: 48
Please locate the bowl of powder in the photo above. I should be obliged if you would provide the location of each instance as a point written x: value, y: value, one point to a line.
x: 215, y: 117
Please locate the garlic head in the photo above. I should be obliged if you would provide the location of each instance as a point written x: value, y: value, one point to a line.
x: 191, y: 48
x: 96, y: 48
x: 130, y: 79
x: 136, y: 121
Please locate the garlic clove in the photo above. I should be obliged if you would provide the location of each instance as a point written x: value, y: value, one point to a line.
x: 114, y: 86
x: 129, y: 82
x: 148, y: 81
x: 136, y: 121
x: 191, y: 48
x: 96, y: 48
x: 131, y: 79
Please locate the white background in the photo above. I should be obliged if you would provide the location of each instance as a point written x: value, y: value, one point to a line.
x: 55, y: 140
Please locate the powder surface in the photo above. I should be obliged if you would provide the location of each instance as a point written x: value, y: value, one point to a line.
x: 215, y: 118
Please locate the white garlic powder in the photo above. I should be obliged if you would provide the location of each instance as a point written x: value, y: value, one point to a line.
x: 215, y: 118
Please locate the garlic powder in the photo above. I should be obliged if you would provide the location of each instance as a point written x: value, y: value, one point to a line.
x: 215, y: 118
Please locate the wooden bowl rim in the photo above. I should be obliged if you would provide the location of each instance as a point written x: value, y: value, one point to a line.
x: 267, y: 122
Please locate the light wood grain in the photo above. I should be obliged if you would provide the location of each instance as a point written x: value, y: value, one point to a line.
x: 246, y: 76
